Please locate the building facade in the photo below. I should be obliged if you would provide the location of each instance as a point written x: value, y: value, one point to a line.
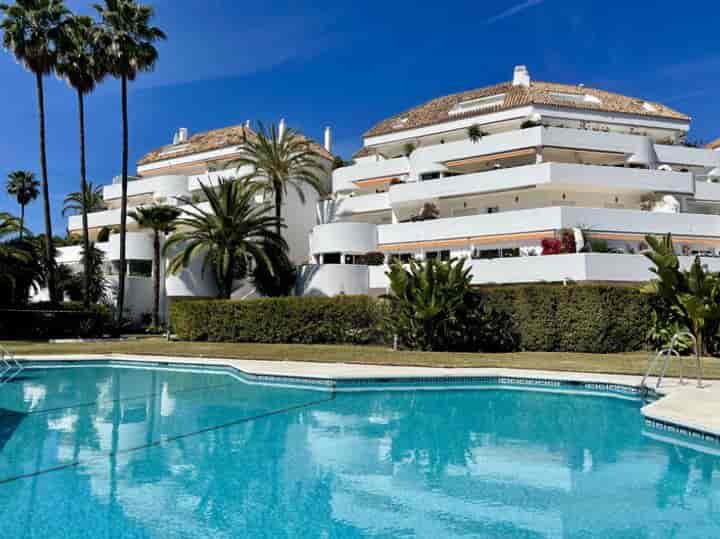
x: 507, y: 174
x: 173, y: 175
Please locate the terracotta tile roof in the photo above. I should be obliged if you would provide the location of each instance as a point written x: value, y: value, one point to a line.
x: 362, y: 152
x: 216, y: 139
x: 539, y: 93
x: 714, y: 145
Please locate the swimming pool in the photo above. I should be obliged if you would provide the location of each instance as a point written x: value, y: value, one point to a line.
x: 149, y: 451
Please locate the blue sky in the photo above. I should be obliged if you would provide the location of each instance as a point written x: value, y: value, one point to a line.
x: 351, y: 64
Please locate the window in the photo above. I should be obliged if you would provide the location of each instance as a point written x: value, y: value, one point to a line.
x: 445, y: 255
x: 331, y: 258
x: 431, y: 255
x: 429, y: 176
x: 140, y: 268
x: 405, y: 258
x: 477, y: 104
x: 485, y: 254
x: 493, y: 209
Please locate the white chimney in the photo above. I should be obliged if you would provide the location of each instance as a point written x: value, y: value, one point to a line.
x: 181, y: 135
x: 281, y: 128
x: 328, y: 139
x: 521, y: 76
x: 247, y: 124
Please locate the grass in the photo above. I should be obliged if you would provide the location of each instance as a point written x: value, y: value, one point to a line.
x: 630, y: 363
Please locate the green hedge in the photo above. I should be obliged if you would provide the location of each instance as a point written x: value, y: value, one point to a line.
x: 305, y: 320
x: 543, y: 317
x: 42, y: 321
x: 576, y: 318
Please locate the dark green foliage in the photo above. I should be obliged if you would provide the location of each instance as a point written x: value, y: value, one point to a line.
x: 689, y: 298
x: 42, y: 321
x: 103, y: 235
x: 276, y: 278
x: 599, y: 246
x: 431, y: 304
x: 543, y: 317
x: 556, y: 318
x: 303, y: 320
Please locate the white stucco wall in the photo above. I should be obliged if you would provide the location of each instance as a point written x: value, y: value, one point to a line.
x: 333, y: 280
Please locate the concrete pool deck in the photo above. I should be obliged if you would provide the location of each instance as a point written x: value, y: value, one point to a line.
x: 682, y: 405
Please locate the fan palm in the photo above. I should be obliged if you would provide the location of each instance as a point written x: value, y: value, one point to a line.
x: 234, y: 233
x: 31, y: 29
x: 94, y: 201
x: 161, y: 220
x: 81, y: 65
x: 280, y: 161
x: 127, y: 37
x: 24, y: 187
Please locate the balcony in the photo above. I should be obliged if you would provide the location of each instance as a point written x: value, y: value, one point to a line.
x: 581, y: 267
x: 362, y: 204
x: 347, y: 238
x: 344, y: 178
x: 496, y: 226
x: 160, y: 187
x: 545, y: 176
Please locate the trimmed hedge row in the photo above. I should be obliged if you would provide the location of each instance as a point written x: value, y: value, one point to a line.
x: 303, y: 320
x: 551, y: 318
x: 585, y: 318
x: 40, y: 321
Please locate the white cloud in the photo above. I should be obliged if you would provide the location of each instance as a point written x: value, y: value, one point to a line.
x: 514, y: 10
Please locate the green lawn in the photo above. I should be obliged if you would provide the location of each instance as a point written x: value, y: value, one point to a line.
x: 631, y: 363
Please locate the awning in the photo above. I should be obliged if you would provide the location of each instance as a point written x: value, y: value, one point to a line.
x: 491, y: 157
x: 471, y: 240
x: 377, y: 181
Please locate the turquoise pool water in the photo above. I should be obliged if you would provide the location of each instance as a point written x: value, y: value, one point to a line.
x: 124, y: 452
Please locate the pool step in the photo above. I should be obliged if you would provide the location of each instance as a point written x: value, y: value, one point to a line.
x: 10, y: 367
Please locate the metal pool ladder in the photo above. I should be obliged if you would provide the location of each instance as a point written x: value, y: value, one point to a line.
x: 667, y: 353
x: 10, y: 367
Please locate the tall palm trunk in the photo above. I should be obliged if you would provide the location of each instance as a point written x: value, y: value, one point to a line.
x: 278, y: 209
x: 22, y: 220
x: 123, y: 204
x: 46, y: 194
x: 83, y: 191
x: 156, y: 280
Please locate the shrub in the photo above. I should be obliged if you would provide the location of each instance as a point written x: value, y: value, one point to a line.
x: 42, y: 321
x: 551, y: 246
x: 303, y: 320
x: 589, y: 318
x: 432, y: 304
x: 542, y: 317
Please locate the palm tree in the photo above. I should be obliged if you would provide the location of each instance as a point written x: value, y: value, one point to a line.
x: 24, y: 187
x: 94, y: 201
x: 31, y: 29
x: 279, y: 161
x: 475, y: 133
x: 11, y: 256
x: 161, y: 220
x: 81, y: 64
x: 235, y: 232
x: 127, y: 37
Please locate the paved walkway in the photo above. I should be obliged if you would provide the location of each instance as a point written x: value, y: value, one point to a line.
x: 685, y: 405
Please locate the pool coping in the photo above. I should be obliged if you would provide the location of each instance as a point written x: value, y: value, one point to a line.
x: 679, y: 410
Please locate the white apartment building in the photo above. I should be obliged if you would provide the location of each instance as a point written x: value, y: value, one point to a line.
x: 173, y: 175
x: 553, y: 160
